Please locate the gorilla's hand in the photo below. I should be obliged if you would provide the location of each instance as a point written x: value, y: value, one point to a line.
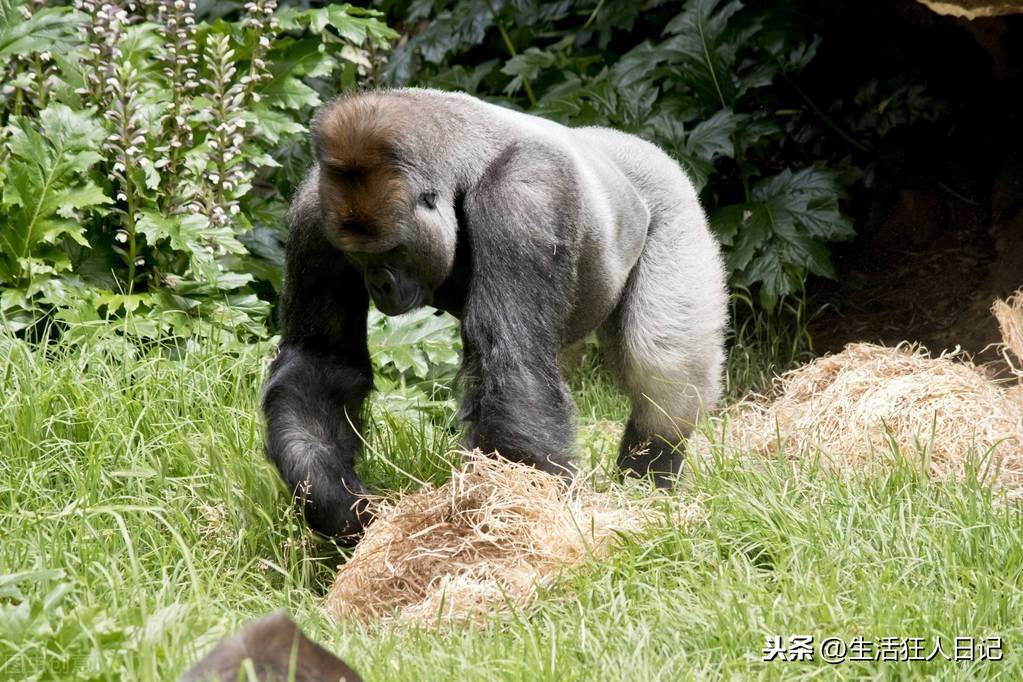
x: 312, y: 404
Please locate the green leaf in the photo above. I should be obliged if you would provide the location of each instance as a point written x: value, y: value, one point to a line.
x: 11, y: 584
x: 712, y: 138
x: 699, y: 45
x: 525, y: 67
x: 701, y: 146
x: 302, y: 57
x: 465, y: 79
x: 475, y: 18
x: 357, y: 29
x: 51, y: 28
x: 289, y: 92
x: 232, y: 280
x: 753, y: 229
x: 638, y: 63
x: 46, y: 182
x: 420, y: 345
x: 775, y: 282
x: 274, y: 125
x: 440, y: 38
x: 808, y: 198
x: 401, y: 63
x: 782, y: 235
x: 354, y: 25
x: 155, y: 227
x: 150, y: 173
x: 128, y: 303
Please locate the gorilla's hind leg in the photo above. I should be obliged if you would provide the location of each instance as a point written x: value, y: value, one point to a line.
x: 664, y: 343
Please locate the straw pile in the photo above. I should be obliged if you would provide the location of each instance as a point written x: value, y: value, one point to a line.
x: 1009, y: 314
x: 857, y: 404
x: 481, y: 543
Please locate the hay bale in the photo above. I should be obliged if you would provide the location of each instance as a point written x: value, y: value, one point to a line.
x: 973, y: 9
x: 1009, y: 314
x: 479, y: 544
x: 857, y: 403
x: 1015, y: 394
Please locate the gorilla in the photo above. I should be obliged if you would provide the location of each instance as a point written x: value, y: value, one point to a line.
x: 534, y: 235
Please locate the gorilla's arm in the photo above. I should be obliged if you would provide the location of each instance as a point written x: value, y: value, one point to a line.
x: 321, y: 376
x: 522, y: 232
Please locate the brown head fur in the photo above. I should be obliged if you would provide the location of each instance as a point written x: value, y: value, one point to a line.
x: 362, y: 190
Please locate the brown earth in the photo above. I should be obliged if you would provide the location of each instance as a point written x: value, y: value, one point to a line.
x: 928, y: 270
x: 940, y: 234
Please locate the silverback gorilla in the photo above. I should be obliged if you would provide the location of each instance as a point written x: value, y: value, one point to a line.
x: 534, y: 235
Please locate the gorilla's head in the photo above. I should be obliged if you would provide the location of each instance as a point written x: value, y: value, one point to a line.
x: 379, y: 204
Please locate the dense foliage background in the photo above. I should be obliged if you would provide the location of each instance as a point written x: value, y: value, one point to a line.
x: 148, y: 150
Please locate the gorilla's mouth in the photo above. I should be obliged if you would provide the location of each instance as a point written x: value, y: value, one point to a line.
x: 398, y: 298
x: 392, y: 307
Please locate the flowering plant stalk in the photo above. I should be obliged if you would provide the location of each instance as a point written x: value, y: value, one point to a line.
x: 138, y: 155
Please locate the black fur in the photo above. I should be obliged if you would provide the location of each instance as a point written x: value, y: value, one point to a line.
x: 451, y: 294
x: 519, y: 297
x: 313, y: 398
x: 646, y: 455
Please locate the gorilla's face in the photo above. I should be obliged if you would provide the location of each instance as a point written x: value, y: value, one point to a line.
x: 394, y: 227
x: 382, y: 205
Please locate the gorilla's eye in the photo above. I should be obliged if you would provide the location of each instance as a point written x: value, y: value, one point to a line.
x: 429, y: 199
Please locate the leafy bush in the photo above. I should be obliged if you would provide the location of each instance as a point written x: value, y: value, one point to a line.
x: 418, y: 347
x: 416, y: 357
x: 704, y: 79
x: 138, y: 157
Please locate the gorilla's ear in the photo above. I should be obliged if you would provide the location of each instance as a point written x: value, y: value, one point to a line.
x: 276, y: 649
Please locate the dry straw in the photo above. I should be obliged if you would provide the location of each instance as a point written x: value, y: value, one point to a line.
x: 1009, y: 314
x: 479, y: 544
x: 855, y: 405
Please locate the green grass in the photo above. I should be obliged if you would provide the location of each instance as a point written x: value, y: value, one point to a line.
x: 139, y: 523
